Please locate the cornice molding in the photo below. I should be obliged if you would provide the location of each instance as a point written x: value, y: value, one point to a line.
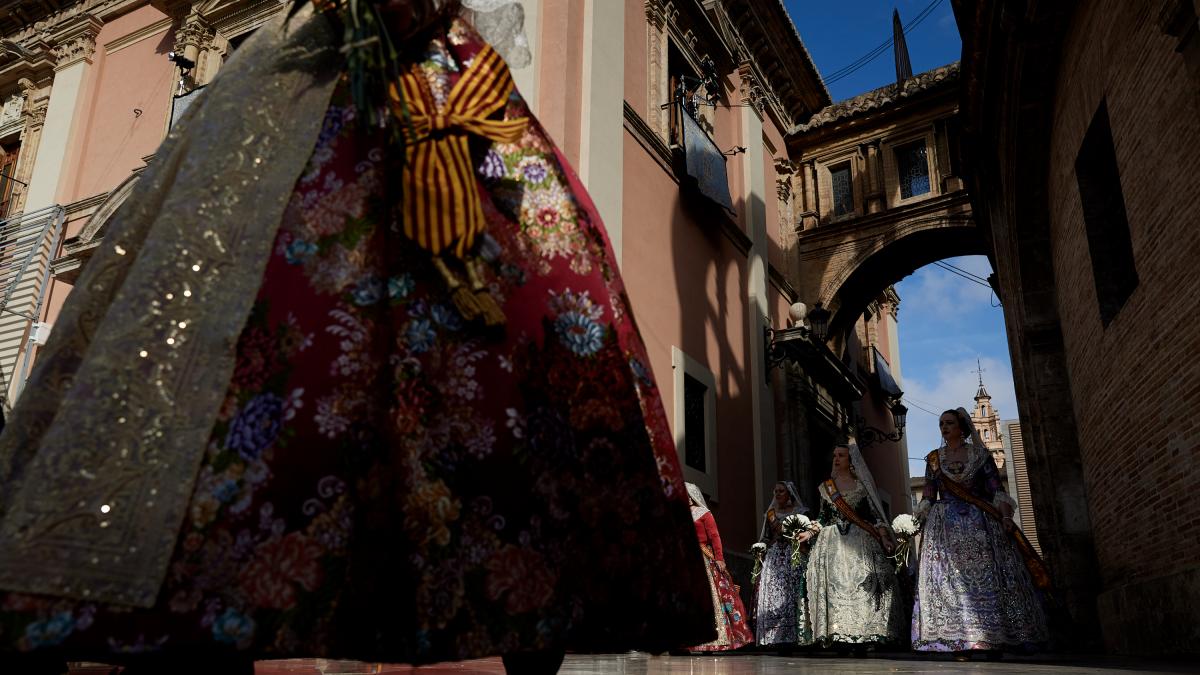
x: 645, y: 136
x: 137, y: 36
x: 780, y: 281
x: 35, y: 22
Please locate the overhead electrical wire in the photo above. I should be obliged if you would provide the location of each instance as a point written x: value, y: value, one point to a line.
x: 959, y: 269
x: 921, y: 408
x: 875, y: 53
x: 955, y: 271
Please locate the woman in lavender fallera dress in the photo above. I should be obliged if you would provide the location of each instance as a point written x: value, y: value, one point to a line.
x: 974, y: 591
x: 781, y: 612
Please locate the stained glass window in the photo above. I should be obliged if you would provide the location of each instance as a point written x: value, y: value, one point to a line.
x: 843, y: 190
x: 913, y: 168
x: 694, y: 393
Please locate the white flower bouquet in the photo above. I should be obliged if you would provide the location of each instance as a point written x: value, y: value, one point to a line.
x: 905, y: 525
x: 758, y: 550
x: 906, y: 528
x: 794, y: 526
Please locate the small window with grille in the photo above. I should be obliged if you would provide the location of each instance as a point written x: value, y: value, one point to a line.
x: 912, y: 165
x: 843, y: 189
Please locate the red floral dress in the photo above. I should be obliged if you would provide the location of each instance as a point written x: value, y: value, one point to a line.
x: 728, y: 612
x: 389, y: 482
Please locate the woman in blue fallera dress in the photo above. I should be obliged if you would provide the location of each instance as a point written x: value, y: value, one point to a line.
x: 974, y: 592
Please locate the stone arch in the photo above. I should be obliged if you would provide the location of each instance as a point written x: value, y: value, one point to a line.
x: 881, y: 261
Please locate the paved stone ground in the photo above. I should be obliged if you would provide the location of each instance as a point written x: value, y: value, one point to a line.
x: 738, y: 664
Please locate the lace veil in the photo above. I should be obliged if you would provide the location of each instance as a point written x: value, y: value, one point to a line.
x: 798, y: 507
x: 864, y: 476
x: 699, y: 507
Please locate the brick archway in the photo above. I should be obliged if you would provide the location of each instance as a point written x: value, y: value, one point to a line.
x: 846, y: 267
x: 883, y: 261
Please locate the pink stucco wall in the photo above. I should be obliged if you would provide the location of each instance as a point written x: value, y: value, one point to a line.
x: 114, y: 137
x: 636, y: 71
x: 686, y: 281
x: 560, y: 88
x: 108, y: 140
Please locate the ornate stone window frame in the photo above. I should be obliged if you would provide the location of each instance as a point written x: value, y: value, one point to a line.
x: 664, y: 30
x: 824, y: 166
x: 891, y: 170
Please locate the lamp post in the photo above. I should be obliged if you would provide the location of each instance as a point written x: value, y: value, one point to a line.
x: 819, y: 318
x: 868, y: 435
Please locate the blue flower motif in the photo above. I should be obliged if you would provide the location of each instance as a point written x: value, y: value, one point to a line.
x: 446, y: 317
x: 331, y: 126
x: 535, y: 172
x: 298, y: 251
x: 579, y: 333
x: 401, y: 286
x: 226, y: 491
x: 233, y: 628
x: 256, y: 426
x: 51, y: 631
x: 492, y: 166
x: 420, y: 335
x: 368, y: 291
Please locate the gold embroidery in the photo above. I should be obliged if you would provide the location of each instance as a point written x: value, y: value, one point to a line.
x: 100, y: 457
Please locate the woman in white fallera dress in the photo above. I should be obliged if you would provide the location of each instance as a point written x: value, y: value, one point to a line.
x: 853, y: 594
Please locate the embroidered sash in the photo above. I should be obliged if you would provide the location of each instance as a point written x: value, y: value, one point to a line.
x: 1033, y: 562
x: 836, y: 498
x: 442, y: 207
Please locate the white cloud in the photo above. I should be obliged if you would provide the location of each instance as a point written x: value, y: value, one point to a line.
x: 943, y: 295
x: 952, y: 385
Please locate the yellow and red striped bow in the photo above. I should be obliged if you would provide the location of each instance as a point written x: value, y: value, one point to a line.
x: 442, y: 208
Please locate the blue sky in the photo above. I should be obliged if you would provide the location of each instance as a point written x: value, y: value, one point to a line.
x: 837, y: 33
x: 946, y: 322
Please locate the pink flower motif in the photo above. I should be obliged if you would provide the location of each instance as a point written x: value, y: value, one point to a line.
x: 270, y: 579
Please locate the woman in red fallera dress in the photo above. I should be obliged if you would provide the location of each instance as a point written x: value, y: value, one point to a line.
x: 728, y: 613
x: 326, y: 395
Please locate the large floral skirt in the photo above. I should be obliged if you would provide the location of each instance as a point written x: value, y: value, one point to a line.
x: 973, y: 590
x: 387, y: 481
x: 853, y: 594
x: 728, y: 614
x: 781, y: 609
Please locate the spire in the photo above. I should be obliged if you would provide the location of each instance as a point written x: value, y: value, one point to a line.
x: 979, y: 370
x: 900, y: 47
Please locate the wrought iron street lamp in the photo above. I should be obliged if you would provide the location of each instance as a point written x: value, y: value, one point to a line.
x: 819, y: 318
x: 868, y: 435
